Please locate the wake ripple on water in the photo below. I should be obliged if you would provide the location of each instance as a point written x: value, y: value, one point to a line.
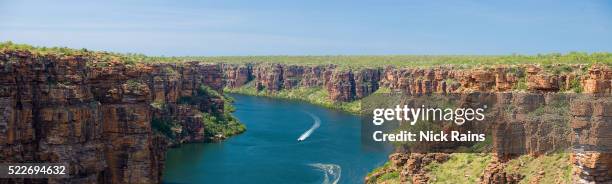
x: 315, y: 125
x: 332, y: 172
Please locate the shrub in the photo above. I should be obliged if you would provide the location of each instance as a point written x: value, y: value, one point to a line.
x: 169, y: 70
x: 225, y: 126
x: 342, y: 61
x: 521, y: 84
x: 460, y: 168
x: 575, y: 85
x: 207, y: 91
x: 185, y: 100
x: 158, y: 104
x: 132, y: 83
x: 162, y: 126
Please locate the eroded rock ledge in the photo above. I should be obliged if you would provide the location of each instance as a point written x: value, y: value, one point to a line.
x: 345, y: 85
x: 590, y: 119
x: 98, y: 118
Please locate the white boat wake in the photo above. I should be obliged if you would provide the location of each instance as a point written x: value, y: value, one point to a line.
x: 315, y: 125
x: 332, y: 172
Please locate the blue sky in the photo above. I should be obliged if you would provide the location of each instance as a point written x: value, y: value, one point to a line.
x: 312, y: 27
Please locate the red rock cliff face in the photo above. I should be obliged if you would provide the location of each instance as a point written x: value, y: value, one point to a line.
x: 345, y: 85
x: 592, y: 123
x: 276, y: 77
x: 531, y: 135
x: 171, y: 83
x: 96, y: 119
x: 342, y: 85
x: 237, y: 75
x: 47, y: 110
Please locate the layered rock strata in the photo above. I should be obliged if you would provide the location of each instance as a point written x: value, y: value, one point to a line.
x: 532, y: 135
x: 591, y: 120
x: 344, y: 85
x: 97, y: 119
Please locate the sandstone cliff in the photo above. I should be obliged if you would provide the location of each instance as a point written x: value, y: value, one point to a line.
x: 345, y: 85
x: 112, y: 121
x: 97, y: 116
x: 537, y: 86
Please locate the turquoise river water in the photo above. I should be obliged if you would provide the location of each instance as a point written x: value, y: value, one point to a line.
x: 269, y: 151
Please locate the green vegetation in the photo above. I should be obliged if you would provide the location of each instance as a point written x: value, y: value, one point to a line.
x: 557, y: 108
x: 388, y: 177
x: 521, y: 84
x: 383, y: 90
x: 169, y: 70
x: 549, y: 168
x: 460, y: 168
x: 219, y: 124
x: 483, y: 146
x: 158, y: 105
x: 316, y: 95
x: 94, y: 58
x: 381, y: 168
x: 208, y: 92
x: 462, y: 61
x: 468, y: 167
x: 163, y: 126
x: 575, y: 86
x: 185, y: 100
x: 574, y: 83
x: 391, y: 177
x: 564, y: 69
x: 225, y: 125
x: 203, y: 93
x: 132, y: 83
x: 357, y: 61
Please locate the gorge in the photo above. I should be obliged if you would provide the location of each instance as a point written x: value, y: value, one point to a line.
x: 269, y: 153
x: 110, y: 123
x: 113, y: 120
x: 523, y: 86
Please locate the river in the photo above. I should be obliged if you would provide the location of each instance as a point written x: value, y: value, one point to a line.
x: 268, y: 152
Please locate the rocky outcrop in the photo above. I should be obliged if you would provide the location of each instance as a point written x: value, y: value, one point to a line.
x: 495, y: 173
x: 592, y: 124
x: 315, y: 76
x: 591, y: 121
x: 341, y: 87
x: 176, y: 87
x: 276, y: 77
x: 410, y: 166
x: 97, y: 116
x: 97, y: 119
x: 344, y: 85
x: 366, y: 82
x: 531, y: 123
x: 523, y: 131
x: 599, y: 80
x: 237, y: 75
x: 448, y: 80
